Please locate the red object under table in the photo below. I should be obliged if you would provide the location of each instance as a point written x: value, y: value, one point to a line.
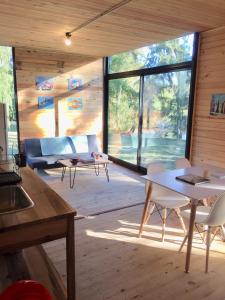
x: 26, y: 290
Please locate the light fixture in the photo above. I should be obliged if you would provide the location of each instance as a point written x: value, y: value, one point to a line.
x: 116, y: 6
x: 67, y: 39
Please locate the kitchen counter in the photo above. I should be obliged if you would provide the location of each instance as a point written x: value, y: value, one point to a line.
x: 49, y: 219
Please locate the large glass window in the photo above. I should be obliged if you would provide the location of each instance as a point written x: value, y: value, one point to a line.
x: 166, y: 53
x: 148, y: 105
x: 7, y: 96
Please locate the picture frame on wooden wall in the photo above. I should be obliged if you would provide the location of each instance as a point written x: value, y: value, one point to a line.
x: 44, y: 83
x: 45, y: 102
x: 217, y: 106
x: 75, y: 103
x: 74, y: 84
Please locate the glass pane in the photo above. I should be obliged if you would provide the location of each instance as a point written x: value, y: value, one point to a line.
x: 123, y: 118
x: 169, y: 52
x: 165, y: 112
x: 7, y: 95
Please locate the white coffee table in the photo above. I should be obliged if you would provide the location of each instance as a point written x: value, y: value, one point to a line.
x: 96, y: 164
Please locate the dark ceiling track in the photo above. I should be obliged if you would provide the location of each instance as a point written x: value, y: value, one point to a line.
x: 106, y: 12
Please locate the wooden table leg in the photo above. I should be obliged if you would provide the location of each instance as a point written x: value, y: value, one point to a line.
x: 190, y: 235
x: 70, y: 260
x: 145, y: 211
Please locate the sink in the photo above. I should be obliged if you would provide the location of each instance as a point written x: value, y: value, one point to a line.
x: 13, y: 198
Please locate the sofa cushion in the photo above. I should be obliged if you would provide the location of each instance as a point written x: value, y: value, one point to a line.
x: 55, y: 146
x: 52, y: 159
x: 44, y: 161
x: 36, y: 162
x: 32, y: 147
x: 80, y: 143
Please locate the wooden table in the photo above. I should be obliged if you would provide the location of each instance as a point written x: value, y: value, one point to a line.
x: 195, y: 192
x: 66, y: 163
x: 51, y: 218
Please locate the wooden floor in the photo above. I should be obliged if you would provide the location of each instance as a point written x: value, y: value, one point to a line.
x: 112, y: 263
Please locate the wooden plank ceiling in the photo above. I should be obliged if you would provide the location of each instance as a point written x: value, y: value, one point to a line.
x: 41, y: 24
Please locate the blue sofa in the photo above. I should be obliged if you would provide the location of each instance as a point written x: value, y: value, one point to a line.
x: 44, y: 153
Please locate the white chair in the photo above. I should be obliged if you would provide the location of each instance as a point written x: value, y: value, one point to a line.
x: 209, y: 218
x: 162, y: 199
x: 182, y: 163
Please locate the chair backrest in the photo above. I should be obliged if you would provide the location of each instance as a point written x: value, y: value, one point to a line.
x: 182, y: 163
x: 153, y: 168
x: 217, y: 213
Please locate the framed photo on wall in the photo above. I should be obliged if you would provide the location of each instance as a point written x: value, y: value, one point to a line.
x: 74, y: 84
x: 217, y: 107
x: 75, y: 103
x: 45, y: 102
x: 44, y: 83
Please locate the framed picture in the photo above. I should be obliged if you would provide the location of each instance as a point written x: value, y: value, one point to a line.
x: 217, y: 107
x: 44, y: 83
x: 45, y: 102
x: 74, y: 84
x: 75, y: 103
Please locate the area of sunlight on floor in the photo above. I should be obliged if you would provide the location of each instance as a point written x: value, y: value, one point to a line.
x: 152, y: 237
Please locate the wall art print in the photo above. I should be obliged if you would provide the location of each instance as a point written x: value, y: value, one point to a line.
x: 217, y: 107
x: 44, y: 83
x: 74, y: 84
x: 45, y: 102
x: 75, y: 103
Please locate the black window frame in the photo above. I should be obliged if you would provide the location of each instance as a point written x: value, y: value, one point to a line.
x: 15, y: 96
x: 16, y: 100
x: 188, y: 65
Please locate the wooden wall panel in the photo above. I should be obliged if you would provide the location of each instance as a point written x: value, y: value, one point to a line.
x: 208, y: 143
x: 36, y: 122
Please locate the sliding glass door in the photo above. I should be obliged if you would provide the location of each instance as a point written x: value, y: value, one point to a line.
x: 123, y: 118
x: 165, y: 115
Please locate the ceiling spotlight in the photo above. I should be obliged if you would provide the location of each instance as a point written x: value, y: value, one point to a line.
x: 67, y: 39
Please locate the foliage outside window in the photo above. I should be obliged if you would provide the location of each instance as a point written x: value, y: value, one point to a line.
x: 123, y: 105
x: 166, y: 53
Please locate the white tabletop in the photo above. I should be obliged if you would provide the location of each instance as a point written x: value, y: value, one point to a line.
x: 198, y: 192
x: 67, y: 163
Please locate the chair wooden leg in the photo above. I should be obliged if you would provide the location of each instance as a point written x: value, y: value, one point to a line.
x: 164, y: 213
x: 207, y: 248
x: 145, y: 211
x: 184, y: 241
x: 151, y: 207
x: 177, y: 211
x: 205, y: 230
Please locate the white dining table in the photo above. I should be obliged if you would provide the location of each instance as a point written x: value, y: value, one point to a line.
x: 196, y: 193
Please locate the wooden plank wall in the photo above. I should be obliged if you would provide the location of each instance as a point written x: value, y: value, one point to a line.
x: 208, y: 143
x: 60, y: 121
